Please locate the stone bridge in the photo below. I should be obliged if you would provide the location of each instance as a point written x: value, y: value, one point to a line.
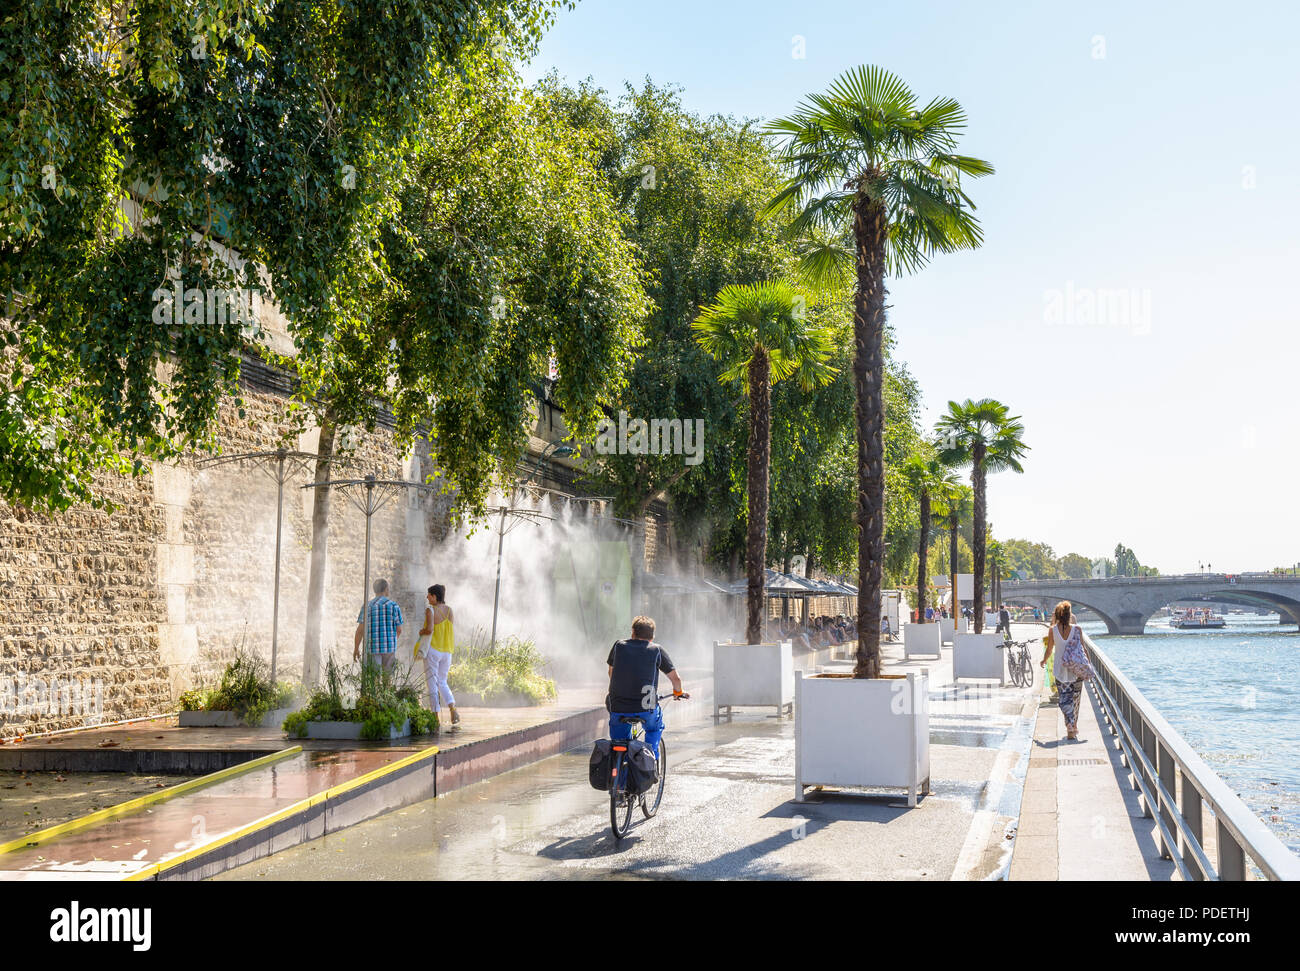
x: 1126, y: 603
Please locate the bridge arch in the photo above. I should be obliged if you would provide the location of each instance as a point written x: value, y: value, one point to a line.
x: 1126, y: 604
x: 1047, y: 603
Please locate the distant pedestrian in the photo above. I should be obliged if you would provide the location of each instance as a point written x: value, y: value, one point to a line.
x: 1004, y: 621
x: 379, y: 624
x: 437, y: 641
x: 929, y: 614
x: 1069, y: 689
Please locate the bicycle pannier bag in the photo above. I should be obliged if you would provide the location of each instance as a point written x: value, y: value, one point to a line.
x: 601, y: 765
x: 642, y: 767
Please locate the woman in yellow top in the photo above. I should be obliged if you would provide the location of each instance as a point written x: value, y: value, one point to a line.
x: 435, y: 646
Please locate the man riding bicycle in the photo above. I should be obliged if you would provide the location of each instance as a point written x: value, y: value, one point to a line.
x: 634, y: 666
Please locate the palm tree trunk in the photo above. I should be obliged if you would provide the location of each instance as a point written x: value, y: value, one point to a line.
x: 922, y: 549
x: 952, y: 564
x: 760, y: 438
x: 869, y: 231
x: 320, y: 527
x: 978, y: 476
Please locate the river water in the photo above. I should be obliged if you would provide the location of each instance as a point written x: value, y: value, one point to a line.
x: 1234, y: 695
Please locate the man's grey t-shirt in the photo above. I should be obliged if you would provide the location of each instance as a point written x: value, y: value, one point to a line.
x: 634, y: 685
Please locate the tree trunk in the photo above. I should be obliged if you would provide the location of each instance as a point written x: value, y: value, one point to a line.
x: 785, y: 568
x: 869, y: 230
x: 952, y: 566
x: 320, y: 526
x: 977, y: 534
x: 760, y: 432
x: 922, y: 551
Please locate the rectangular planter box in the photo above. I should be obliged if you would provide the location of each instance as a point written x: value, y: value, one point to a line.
x: 979, y: 656
x: 753, y: 675
x: 963, y: 627
x: 871, y: 733
x: 350, y: 730
x: 921, y: 639
x: 228, y: 719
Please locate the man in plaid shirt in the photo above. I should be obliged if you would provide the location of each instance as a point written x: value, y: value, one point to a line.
x: 380, y: 622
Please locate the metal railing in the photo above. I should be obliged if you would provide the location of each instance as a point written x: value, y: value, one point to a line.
x: 1163, y: 765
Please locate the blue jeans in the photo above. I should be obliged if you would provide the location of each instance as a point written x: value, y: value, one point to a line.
x: 654, y: 726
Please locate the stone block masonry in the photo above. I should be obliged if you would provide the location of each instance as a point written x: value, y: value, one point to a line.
x: 155, y: 597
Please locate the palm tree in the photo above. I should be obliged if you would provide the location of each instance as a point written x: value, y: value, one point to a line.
x: 954, y: 503
x: 865, y: 158
x: 761, y: 334
x: 984, y: 435
x: 925, y: 475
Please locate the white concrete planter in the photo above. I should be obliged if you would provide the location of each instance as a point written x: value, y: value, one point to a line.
x: 870, y: 733
x: 753, y: 675
x: 963, y: 627
x: 350, y: 730
x: 921, y: 639
x: 979, y: 656
x: 228, y: 719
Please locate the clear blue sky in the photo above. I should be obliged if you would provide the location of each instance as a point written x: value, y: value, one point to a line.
x: 1169, y: 169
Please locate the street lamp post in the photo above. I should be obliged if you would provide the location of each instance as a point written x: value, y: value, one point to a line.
x: 376, y: 493
x: 280, y: 465
x: 550, y: 451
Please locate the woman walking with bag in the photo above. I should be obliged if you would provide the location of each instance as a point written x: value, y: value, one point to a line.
x: 1070, y: 665
x: 435, y: 646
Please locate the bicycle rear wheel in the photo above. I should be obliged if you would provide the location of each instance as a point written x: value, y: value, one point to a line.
x: 652, y: 808
x: 620, y: 803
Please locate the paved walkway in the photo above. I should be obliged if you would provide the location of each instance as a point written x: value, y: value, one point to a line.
x: 1080, y: 818
x: 729, y: 810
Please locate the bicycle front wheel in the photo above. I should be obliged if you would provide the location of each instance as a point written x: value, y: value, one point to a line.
x: 649, y: 809
x: 1027, y: 671
x: 620, y: 803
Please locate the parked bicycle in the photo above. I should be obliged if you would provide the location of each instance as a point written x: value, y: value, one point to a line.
x: 1020, y: 666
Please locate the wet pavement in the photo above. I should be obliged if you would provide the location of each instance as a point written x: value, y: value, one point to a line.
x: 125, y: 845
x: 116, y: 848
x: 728, y: 811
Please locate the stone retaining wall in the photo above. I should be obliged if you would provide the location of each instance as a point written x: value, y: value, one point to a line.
x: 117, y: 613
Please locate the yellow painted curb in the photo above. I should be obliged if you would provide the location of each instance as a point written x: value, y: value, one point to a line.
x: 155, y: 869
x: 189, y: 785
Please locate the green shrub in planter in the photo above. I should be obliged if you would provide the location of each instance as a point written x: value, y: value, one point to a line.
x: 514, y: 668
x: 245, y: 688
x: 383, y: 701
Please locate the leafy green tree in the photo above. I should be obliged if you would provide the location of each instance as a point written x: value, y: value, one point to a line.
x: 220, y: 143
x: 1036, y: 559
x: 985, y: 436
x: 507, y: 252
x: 762, y: 333
x: 1074, y: 566
x: 866, y: 159
x: 692, y: 189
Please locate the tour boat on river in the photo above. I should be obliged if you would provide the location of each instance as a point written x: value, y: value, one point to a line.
x: 1196, y: 618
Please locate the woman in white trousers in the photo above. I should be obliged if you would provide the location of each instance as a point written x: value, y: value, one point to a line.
x: 437, y: 642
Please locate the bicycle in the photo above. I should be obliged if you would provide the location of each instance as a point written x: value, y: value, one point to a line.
x: 620, y: 801
x: 1019, y: 665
